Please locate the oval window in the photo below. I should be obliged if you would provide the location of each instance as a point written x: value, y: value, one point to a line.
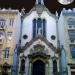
x: 53, y: 37
x: 25, y: 36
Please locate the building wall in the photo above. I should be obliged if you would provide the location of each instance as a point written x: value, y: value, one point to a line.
x: 27, y: 27
x: 9, y: 39
x: 65, y: 15
x: 30, y: 51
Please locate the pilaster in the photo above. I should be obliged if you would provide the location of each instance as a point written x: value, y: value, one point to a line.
x: 46, y: 69
x: 50, y: 67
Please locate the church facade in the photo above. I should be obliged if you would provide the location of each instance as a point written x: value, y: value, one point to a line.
x: 41, y: 52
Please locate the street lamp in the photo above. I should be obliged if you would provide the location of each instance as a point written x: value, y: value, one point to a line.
x: 65, y: 2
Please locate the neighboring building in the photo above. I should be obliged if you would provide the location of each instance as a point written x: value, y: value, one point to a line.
x: 9, y: 23
x: 67, y: 37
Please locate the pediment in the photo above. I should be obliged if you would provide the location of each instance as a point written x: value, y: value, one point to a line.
x: 39, y: 9
x: 39, y: 42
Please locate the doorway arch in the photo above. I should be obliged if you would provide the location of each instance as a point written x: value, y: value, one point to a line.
x: 38, y: 68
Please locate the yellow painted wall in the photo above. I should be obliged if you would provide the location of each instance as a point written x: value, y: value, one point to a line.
x: 9, y: 43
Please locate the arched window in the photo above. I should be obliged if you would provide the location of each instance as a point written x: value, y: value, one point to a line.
x: 44, y: 27
x: 22, y: 66
x: 54, y: 67
x: 39, y: 26
x: 39, y: 2
x: 34, y: 27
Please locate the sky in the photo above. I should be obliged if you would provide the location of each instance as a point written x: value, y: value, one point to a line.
x: 52, y: 5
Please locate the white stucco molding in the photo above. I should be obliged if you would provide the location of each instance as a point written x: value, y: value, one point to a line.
x: 39, y: 56
x: 36, y: 8
x: 42, y: 39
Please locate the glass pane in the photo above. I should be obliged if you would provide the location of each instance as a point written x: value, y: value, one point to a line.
x: 71, y: 21
x: 1, y: 34
x: 39, y: 23
x: 9, y: 33
x: 39, y: 26
x: 6, y: 52
x: 72, y: 35
x: 44, y: 27
x: 22, y: 66
x: 73, y: 49
x: 2, y: 22
x: 39, y: 1
x: 73, y: 52
x: 11, y: 21
x: 34, y: 27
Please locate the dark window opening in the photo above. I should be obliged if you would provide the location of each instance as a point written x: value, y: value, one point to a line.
x: 71, y: 21
x: 53, y: 37
x: 11, y: 21
x: 72, y: 35
x: 2, y: 22
x: 6, y: 52
x: 73, y: 51
x: 25, y: 36
x: 44, y: 27
x: 22, y: 66
x: 39, y: 27
x: 34, y: 28
x: 39, y: 2
x: 54, y: 67
x: 72, y: 73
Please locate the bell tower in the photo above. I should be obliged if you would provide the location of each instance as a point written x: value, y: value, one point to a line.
x: 39, y: 2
